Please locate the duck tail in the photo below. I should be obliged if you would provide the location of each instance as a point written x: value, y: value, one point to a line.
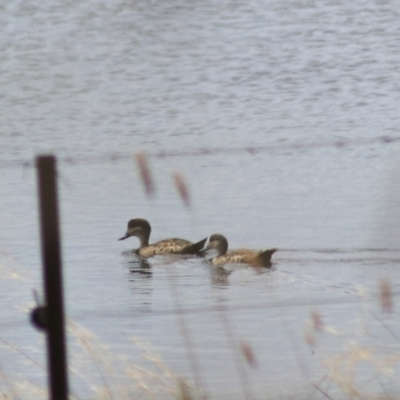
x: 263, y: 259
x: 195, y: 248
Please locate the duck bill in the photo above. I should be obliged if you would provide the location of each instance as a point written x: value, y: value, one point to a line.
x: 125, y: 236
x: 206, y: 251
x: 206, y: 244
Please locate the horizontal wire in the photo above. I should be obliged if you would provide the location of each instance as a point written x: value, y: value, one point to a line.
x: 212, y: 151
x: 292, y: 303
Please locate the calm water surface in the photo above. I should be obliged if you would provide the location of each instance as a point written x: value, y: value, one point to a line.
x: 85, y: 81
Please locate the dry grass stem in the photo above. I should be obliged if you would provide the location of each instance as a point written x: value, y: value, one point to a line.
x: 15, y: 348
x: 184, y: 390
x: 11, y: 268
x: 345, y: 369
x: 123, y: 379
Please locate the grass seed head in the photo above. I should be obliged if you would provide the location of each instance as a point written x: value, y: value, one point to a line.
x: 145, y: 174
x: 385, y: 292
x: 182, y: 188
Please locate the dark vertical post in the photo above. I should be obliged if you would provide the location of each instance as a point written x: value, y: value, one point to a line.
x: 51, y: 256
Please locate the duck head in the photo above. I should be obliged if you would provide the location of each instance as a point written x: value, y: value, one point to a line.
x: 140, y: 228
x: 218, y: 243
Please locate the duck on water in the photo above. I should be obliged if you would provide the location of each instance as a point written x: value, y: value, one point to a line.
x: 219, y: 244
x: 141, y: 229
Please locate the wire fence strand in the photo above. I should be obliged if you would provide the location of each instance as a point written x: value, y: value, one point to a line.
x: 339, y: 144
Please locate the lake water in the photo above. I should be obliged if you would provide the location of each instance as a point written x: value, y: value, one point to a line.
x: 282, y: 117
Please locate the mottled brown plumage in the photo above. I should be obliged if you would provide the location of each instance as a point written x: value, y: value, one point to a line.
x: 141, y: 229
x: 219, y: 243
